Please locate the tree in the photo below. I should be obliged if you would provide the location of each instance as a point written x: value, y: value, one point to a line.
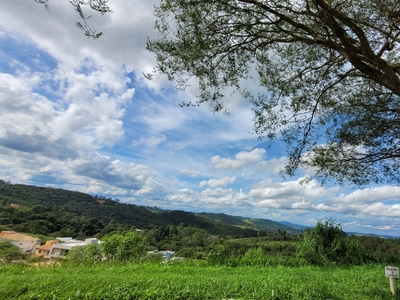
x: 327, y: 243
x: 85, y: 255
x: 96, y: 5
x: 110, y: 244
x: 128, y: 247
x: 133, y: 247
x: 328, y: 70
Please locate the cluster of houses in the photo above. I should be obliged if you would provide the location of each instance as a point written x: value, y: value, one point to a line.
x: 59, y: 247
x: 51, y: 249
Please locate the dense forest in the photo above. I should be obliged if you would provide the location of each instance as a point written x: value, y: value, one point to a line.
x: 58, y: 212
x: 50, y: 213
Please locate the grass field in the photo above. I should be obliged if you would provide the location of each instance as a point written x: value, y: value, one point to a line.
x: 189, y: 281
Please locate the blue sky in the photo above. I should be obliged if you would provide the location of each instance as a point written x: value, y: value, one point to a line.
x: 78, y: 114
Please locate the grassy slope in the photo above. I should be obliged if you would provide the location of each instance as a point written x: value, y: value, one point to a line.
x: 193, y: 282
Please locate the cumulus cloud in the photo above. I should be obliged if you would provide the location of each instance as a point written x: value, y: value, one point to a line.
x: 190, y: 173
x: 293, y: 190
x: 217, y: 183
x: 187, y: 196
x: 224, y: 196
x: 368, y: 196
x: 114, y: 172
x: 273, y: 165
x: 150, y: 142
x: 242, y: 159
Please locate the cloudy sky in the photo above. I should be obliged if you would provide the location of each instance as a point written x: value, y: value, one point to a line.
x: 77, y: 113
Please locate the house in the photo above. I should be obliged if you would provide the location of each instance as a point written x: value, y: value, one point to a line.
x: 25, y: 243
x: 165, y: 255
x: 66, y: 244
x: 44, y: 250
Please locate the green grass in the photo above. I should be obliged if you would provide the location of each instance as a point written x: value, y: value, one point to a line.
x: 188, y: 281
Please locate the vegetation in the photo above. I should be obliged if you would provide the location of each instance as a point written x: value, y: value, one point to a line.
x: 329, y: 71
x: 217, y: 238
x: 327, y: 244
x: 10, y: 252
x: 192, y: 280
x: 268, y: 265
x: 57, y: 212
x: 96, y: 5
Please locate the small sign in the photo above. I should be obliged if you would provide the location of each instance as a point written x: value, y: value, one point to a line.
x: 391, y: 272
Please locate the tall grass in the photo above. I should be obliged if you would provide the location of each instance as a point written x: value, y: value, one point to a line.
x: 192, y: 281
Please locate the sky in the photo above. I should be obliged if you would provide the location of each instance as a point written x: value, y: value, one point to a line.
x: 78, y: 114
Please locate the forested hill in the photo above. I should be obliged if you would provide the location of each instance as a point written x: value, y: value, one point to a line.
x: 58, y: 212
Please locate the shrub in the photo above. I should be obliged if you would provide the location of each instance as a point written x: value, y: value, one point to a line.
x: 327, y: 244
x: 10, y: 252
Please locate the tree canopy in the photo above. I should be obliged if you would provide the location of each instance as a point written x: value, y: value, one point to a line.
x: 328, y: 72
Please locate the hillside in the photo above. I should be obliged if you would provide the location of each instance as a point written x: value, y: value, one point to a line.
x: 251, y: 223
x: 58, y: 212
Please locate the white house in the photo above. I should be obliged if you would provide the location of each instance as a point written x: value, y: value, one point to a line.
x: 66, y: 244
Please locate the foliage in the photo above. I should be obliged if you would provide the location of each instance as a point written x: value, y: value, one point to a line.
x: 329, y: 71
x: 96, y: 5
x: 217, y: 255
x: 327, y: 243
x: 10, y: 252
x: 254, y: 257
x: 58, y: 212
x: 128, y: 247
x: 192, y: 281
x: 85, y: 255
x: 65, y: 213
x: 380, y: 250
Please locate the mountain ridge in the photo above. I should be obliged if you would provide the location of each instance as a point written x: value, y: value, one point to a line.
x: 48, y: 210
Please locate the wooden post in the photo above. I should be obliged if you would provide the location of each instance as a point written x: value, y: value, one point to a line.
x: 392, y: 285
x: 392, y: 273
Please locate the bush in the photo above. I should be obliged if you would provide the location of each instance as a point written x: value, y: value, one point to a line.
x: 327, y: 244
x: 129, y: 247
x: 10, y: 252
x: 254, y: 257
x: 85, y: 255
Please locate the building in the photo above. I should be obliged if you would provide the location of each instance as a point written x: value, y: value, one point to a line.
x: 25, y: 243
x: 43, y: 250
x: 66, y: 244
x: 165, y: 255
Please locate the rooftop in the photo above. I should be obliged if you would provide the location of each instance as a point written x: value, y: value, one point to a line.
x: 15, y: 236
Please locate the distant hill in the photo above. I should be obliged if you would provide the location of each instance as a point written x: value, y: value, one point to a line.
x: 373, y: 235
x: 58, y: 212
x: 294, y: 226
x: 258, y: 224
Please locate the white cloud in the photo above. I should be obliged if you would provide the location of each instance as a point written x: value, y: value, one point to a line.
x: 151, y: 142
x: 190, y: 173
x: 368, y: 196
x: 124, y: 175
x: 242, y: 159
x: 223, y: 196
x: 183, y: 195
x: 217, y: 183
x: 269, y: 189
x: 273, y: 165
